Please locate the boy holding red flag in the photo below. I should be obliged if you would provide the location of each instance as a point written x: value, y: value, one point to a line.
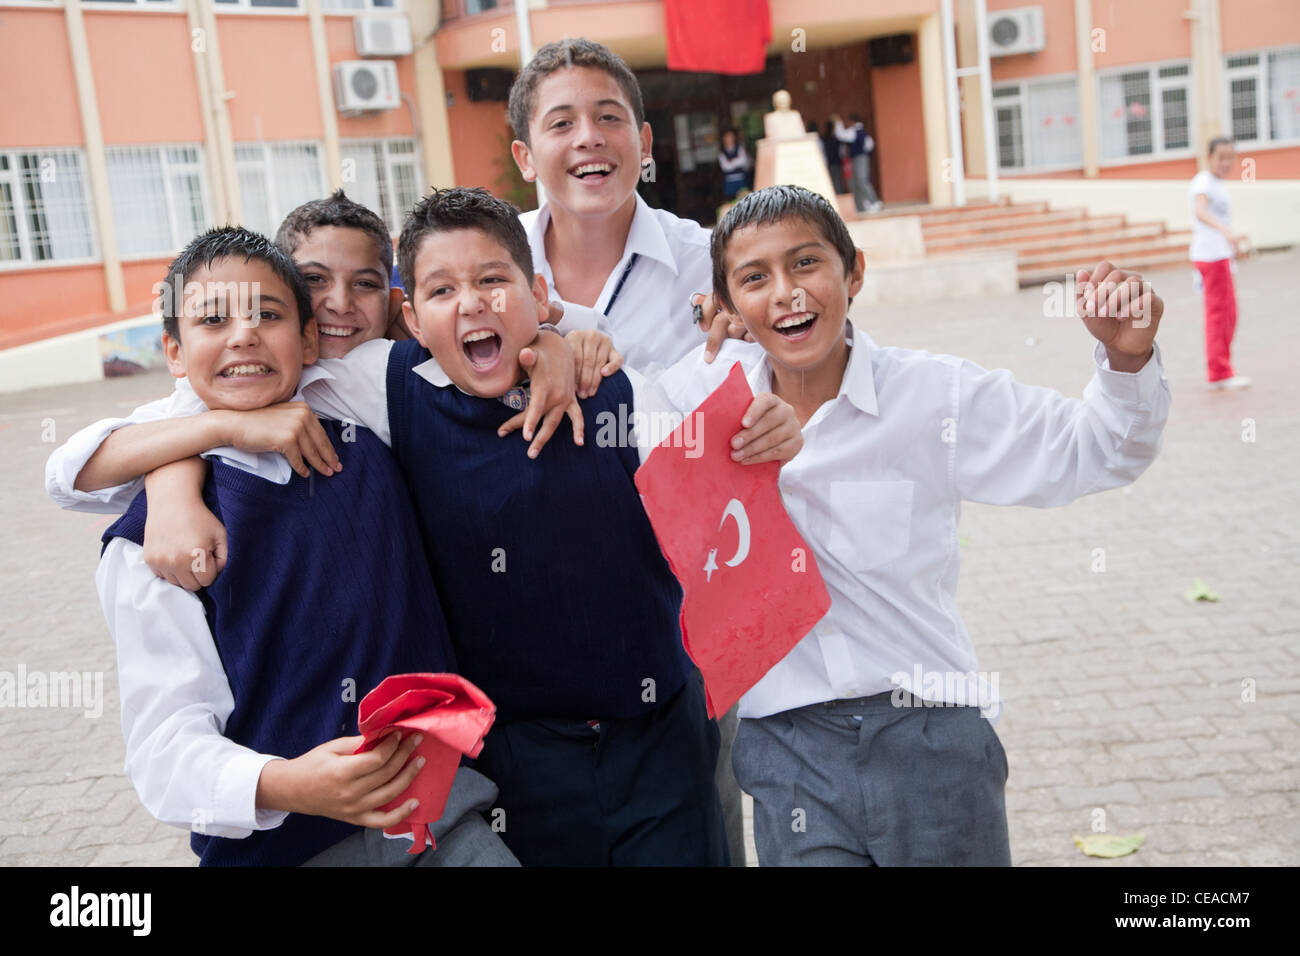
x: 855, y: 754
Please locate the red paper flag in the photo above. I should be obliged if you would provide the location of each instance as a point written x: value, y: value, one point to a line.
x: 453, y: 715
x: 752, y: 586
x: 717, y: 36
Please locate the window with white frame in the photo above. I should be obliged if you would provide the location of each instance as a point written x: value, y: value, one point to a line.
x: 174, y: 4
x: 1145, y: 111
x: 1263, y: 95
x: 275, y: 178
x: 337, y: 5
x: 44, y: 207
x: 257, y: 4
x: 158, y: 195
x: 383, y: 175
x: 1038, y: 124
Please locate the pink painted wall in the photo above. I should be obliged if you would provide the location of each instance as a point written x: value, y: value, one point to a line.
x: 145, y: 81
x: 1255, y: 24
x: 477, y: 156
x: 34, y: 59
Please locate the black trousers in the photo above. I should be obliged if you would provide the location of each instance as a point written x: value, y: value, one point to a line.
x: 637, y: 791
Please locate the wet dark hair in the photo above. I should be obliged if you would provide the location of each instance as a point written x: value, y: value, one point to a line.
x: 461, y: 208
x: 227, y: 242
x: 336, y: 210
x: 561, y: 55
x: 1217, y: 142
x: 777, y: 204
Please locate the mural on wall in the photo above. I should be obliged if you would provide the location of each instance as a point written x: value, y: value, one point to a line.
x: 131, y: 351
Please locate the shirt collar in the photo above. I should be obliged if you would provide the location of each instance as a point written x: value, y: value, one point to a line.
x: 431, y: 372
x: 858, y: 384
x: 645, y: 238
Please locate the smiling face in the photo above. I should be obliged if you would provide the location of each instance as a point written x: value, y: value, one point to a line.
x: 585, y: 147
x: 787, y: 281
x: 474, y: 309
x: 350, y: 296
x: 241, y: 342
x: 1221, y: 160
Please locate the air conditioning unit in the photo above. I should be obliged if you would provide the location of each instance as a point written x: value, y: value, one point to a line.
x: 1016, y: 31
x: 382, y: 36
x: 364, y: 86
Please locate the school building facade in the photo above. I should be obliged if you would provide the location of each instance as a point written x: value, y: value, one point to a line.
x: 130, y: 125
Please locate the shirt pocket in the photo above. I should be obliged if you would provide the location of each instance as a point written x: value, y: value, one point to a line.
x: 872, y: 522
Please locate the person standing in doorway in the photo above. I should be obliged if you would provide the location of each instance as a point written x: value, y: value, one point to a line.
x: 735, y: 164
x: 1213, y: 254
x: 833, y: 149
x: 860, y: 145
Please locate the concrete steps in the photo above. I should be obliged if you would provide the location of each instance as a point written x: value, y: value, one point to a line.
x: 1048, y: 243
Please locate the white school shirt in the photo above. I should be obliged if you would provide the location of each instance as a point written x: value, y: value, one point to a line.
x: 651, y: 322
x: 1208, y: 244
x: 876, y: 493
x: 176, y: 698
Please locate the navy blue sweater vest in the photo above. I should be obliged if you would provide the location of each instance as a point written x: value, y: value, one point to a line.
x: 324, y: 594
x: 559, y: 601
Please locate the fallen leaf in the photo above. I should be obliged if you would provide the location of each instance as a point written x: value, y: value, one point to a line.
x: 1108, y: 845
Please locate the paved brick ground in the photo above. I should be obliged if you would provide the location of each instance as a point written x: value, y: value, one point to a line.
x: 1122, y: 696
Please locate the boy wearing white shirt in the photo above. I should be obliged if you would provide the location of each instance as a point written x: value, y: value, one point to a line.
x: 894, y: 440
x: 617, y: 265
x: 233, y: 700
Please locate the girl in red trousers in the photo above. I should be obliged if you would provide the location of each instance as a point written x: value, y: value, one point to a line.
x: 1212, y: 253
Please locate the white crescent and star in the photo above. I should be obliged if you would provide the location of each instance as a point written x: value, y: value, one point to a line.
x: 736, y: 510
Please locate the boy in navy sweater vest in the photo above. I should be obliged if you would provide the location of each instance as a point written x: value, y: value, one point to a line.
x: 558, y: 597
x: 271, y: 659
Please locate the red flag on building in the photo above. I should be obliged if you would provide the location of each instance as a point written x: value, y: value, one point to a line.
x: 752, y: 586
x: 717, y: 36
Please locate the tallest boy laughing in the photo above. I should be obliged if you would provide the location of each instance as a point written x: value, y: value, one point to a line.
x: 616, y: 264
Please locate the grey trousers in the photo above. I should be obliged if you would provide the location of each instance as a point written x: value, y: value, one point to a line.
x: 462, y: 836
x: 862, y: 782
x: 733, y: 811
x: 863, y: 194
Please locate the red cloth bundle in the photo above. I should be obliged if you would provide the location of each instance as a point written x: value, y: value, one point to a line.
x: 453, y: 715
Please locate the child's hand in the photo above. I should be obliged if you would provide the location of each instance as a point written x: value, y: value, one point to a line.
x: 718, y: 323
x: 594, y: 358
x: 184, y: 543
x: 771, y: 432
x: 185, y: 546
x: 290, y: 428
x: 1122, y: 312
x: 333, y: 781
x: 550, y: 366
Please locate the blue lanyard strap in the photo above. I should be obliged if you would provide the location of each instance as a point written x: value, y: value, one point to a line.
x: 627, y: 270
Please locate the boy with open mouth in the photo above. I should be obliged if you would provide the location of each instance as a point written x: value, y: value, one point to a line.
x: 835, y: 735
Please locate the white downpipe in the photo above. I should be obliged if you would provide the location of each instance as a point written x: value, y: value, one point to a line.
x: 524, y: 28
x: 986, y: 97
x: 957, y: 162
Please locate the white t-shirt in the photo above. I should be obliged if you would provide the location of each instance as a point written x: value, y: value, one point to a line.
x: 1208, y: 244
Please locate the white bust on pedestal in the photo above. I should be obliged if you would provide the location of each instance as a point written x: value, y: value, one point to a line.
x: 789, y: 154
